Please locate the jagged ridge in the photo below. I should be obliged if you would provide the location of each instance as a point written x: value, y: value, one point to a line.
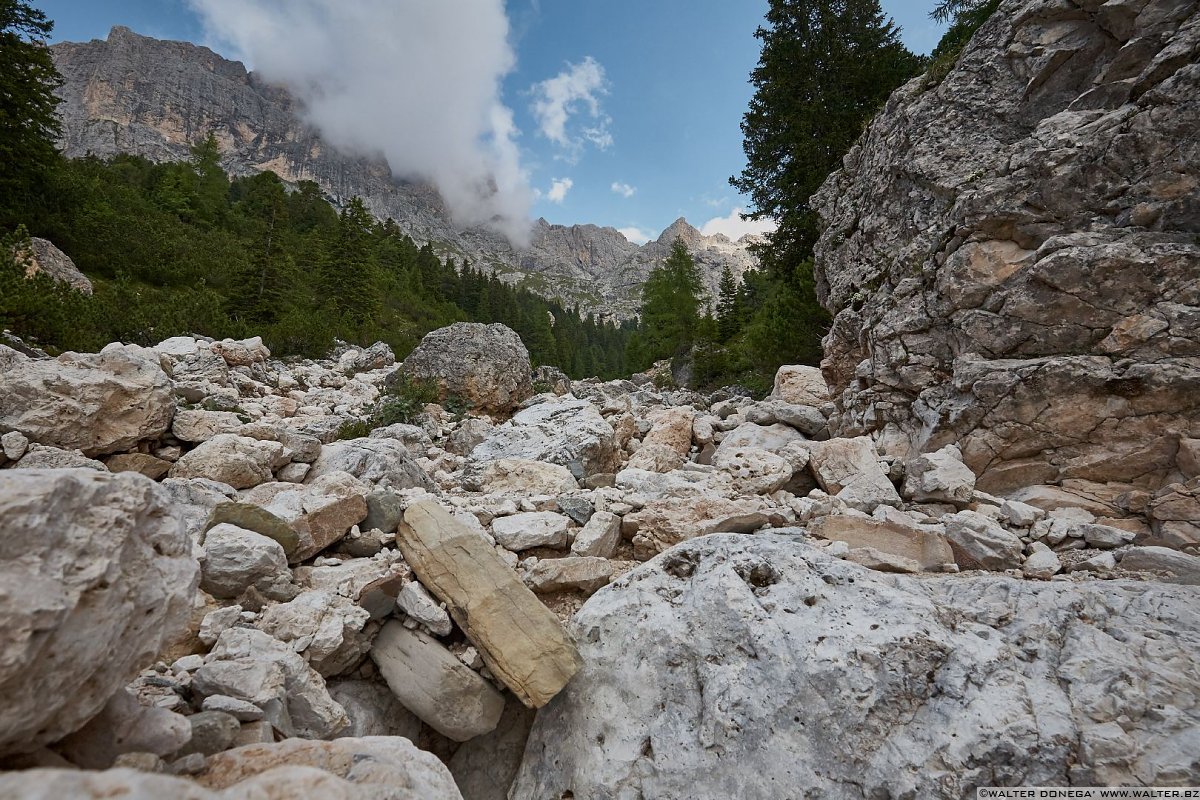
x: 153, y: 98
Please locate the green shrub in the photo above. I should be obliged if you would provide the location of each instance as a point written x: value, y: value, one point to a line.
x: 354, y: 429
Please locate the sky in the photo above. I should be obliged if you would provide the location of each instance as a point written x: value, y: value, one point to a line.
x: 621, y: 113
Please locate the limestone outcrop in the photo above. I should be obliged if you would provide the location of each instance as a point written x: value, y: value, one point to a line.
x: 1010, y: 254
x: 764, y: 665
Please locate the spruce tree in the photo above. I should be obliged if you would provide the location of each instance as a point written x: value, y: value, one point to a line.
x: 28, y: 123
x: 826, y: 67
x: 348, y: 275
x: 670, y: 309
x: 729, y: 312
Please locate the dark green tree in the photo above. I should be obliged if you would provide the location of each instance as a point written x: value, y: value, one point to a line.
x: 212, y: 184
x: 670, y: 309
x: 348, y: 273
x: 950, y: 9
x: 729, y: 310
x: 826, y: 67
x: 28, y: 123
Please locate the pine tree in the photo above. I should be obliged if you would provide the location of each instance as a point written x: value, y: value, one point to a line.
x: 670, y: 309
x: 729, y: 311
x: 826, y: 67
x: 28, y: 123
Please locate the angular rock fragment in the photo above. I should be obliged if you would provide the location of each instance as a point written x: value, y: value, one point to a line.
x: 320, y: 513
x: 238, y: 461
x: 765, y: 663
x: 573, y: 573
x: 939, y: 477
x: 928, y: 549
x: 531, y: 529
x: 849, y: 469
x: 599, y: 537
x: 520, y: 640
x: 1175, y: 566
x: 567, y: 432
x: 236, y: 559
x: 980, y: 542
x: 801, y: 385
x: 664, y: 523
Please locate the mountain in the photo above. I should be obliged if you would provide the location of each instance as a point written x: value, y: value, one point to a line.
x: 134, y: 94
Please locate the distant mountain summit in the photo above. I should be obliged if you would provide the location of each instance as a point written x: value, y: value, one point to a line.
x: 134, y: 94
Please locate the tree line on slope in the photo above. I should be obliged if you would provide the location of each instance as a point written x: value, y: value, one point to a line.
x: 181, y: 248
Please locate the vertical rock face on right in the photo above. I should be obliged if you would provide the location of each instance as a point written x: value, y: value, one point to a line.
x: 1012, y: 256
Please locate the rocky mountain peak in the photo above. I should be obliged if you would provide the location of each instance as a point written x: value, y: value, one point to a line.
x: 682, y: 230
x: 139, y: 95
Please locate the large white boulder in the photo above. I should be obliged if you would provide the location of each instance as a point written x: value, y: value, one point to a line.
x: 385, y: 463
x: 485, y: 366
x: 96, y: 577
x: 565, y: 431
x: 737, y: 666
x: 99, y: 404
x: 238, y: 461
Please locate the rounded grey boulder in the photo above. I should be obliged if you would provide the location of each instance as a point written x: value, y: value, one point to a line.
x: 486, y: 366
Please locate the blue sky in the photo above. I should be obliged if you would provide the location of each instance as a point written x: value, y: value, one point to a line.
x: 665, y: 136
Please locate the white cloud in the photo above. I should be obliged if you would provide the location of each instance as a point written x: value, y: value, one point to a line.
x: 735, y: 227
x: 624, y: 189
x: 636, y: 235
x: 575, y: 90
x: 558, y: 190
x: 417, y: 82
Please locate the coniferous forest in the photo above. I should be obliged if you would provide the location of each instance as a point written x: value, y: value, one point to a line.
x: 183, y: 248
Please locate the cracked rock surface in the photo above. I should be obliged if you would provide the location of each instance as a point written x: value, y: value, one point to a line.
x: 764, y: 665
x: 1011, y: 255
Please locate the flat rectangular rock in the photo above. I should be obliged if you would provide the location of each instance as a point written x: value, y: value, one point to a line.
x: 927, y: 548
x: 521, y: 640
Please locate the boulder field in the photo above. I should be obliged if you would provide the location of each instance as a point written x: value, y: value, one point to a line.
x: 964, y: 552
x: 607, y: 589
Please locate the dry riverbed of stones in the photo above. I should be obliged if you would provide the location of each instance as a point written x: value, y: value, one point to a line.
x: 205, y: 592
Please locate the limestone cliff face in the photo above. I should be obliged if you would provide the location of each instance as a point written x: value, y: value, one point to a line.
x: 134, y: 94
x: 1013, y: 256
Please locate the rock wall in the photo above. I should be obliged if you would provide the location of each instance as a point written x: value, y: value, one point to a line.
x: 1012, y: 256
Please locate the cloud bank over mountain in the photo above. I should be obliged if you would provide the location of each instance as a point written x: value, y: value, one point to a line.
x: 414, y: 81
